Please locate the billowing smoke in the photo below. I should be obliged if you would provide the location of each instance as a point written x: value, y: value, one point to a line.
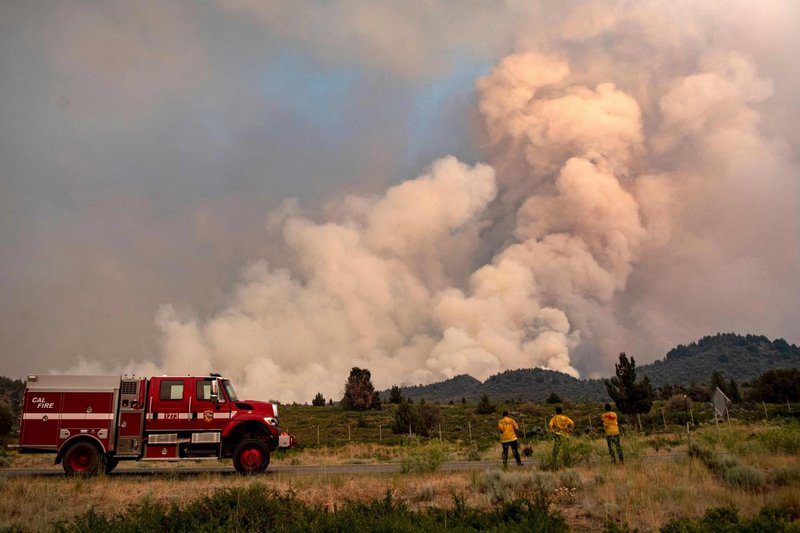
x: 637, y: 191
x: 361, y: 291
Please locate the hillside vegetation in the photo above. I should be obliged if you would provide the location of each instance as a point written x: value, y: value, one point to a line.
x: 739, y: 357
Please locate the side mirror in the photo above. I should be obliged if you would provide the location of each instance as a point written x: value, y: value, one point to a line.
x: 214, y: 391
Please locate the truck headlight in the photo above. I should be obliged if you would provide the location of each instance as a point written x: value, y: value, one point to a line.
x: 271, y: 421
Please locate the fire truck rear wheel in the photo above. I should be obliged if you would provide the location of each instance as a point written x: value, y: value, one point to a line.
x: 82, y: 459
x: 251, y: 456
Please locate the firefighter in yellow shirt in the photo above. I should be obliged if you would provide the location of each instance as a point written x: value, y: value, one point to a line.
x: 508, y: 438
x: 611, y: 425
x: 561, y: 427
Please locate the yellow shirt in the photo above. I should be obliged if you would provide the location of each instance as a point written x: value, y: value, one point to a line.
x: 610, y: 423
x: 509, y: 429
x: 561, y: 425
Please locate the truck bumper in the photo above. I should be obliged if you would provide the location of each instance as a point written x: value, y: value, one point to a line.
x: 285, y: 440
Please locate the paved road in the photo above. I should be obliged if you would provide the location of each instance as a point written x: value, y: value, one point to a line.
x: 141, y: 469
x: 372, y: 468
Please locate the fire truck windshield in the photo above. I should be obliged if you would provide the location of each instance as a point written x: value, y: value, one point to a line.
x: 230, y: 391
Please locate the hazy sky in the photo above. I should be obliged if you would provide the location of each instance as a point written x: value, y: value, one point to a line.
x: 282, y: 190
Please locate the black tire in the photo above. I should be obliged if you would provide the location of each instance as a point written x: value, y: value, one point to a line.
x: 83, y: 459
x: 250, y: 456
x: 111, y: 463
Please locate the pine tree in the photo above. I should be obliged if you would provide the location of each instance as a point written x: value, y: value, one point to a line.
x: 395, y: 396
x: 553, y: 398
x: 718, y: 381
x: 319, y: 400
x: 733, y: 391
x: 629, y: 396
x: 6, y: 420
x: 485, y: 407
x: 405, y: 418
x: 359, y: 392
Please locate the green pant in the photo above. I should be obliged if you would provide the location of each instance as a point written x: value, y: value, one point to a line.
x: 557, y: 439
x: 613, y: 440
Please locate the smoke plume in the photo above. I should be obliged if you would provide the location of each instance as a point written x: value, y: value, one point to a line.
x: 598, y: 179
x: 632, y: 184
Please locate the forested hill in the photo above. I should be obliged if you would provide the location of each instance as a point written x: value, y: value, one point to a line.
x: 739, y: 357
x: 530, y: 384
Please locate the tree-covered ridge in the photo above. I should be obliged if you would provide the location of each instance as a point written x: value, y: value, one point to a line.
x: 531, y: 384
x: 742, y: 358
x: 461, y: 386
x: 724, y: 343
x: 739, y: 357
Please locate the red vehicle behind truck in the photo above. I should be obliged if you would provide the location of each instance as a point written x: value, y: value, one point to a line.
x: 93, y: 422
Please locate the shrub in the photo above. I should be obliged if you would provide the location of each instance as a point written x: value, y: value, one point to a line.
x: 427, y: 458
x: 473, y: 454
x: 573, y: 451
x: 425, y: 493
x: 784, y: 439
x: 787, y: 475
x: 726, y: 519
x: 543, y: 482
x: 700, y: 452
x: 678, y: 407
x: 503, y: 486
x: 420, y: 419
x: 744, y: 477
x: 612, y: 527
x: 254, y: 508
x: 570, y: 479
x: 498, y: 486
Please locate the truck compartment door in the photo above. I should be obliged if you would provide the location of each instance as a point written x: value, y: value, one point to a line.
x: 41, y: 419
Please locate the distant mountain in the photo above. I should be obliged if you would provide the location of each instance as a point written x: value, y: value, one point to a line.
x: 454, y: 389
x: 739, y: 357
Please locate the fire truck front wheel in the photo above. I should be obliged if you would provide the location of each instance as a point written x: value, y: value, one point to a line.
x: 82, y: 459
x: 251, y: 456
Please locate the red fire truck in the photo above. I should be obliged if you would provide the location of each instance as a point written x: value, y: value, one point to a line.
x: 93, y: 422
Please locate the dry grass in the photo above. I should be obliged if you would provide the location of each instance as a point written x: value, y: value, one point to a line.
x: 657, y: 483
x: 645, y: 496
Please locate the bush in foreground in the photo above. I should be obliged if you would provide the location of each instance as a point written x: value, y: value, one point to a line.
x: 726, y: 519
x: 427, y: 458
x: 255, y: 508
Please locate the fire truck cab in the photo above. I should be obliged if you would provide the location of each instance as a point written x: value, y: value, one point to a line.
x: 93, y: 422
